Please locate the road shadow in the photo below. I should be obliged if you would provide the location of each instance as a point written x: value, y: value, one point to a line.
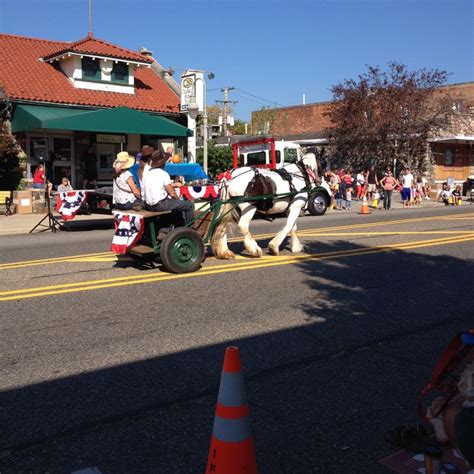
x: 321, y: 393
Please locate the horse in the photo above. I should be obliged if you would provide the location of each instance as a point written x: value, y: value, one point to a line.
x: 293, y: 179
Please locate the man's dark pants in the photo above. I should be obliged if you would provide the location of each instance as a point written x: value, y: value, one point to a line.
x: 175, y: 205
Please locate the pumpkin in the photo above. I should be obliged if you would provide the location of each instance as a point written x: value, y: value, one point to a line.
x: 176, y: 158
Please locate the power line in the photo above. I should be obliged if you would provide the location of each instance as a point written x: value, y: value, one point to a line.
x: 250, y: 100
x: 273, y: 102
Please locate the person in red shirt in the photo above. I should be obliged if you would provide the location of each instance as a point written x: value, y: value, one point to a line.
x: 39, y: 179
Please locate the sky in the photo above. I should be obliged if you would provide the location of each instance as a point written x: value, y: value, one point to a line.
x: 271, y: 51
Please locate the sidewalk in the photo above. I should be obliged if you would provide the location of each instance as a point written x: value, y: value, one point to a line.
x: 23, y: 223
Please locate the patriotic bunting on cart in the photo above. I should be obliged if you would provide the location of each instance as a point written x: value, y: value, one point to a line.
x: 68, y: 204
x: 198, y: 192
x: 128, y: 230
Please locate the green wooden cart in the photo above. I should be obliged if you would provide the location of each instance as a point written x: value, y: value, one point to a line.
x: 182, y: 249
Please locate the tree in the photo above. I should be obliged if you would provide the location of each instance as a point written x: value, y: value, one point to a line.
x: 219, y: 158
x: 10, y: 172
x: 387, y: 115
x: 263, y: 121
x: 238, y: 128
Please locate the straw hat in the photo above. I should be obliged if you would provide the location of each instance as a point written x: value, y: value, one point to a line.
x: 124, y: 160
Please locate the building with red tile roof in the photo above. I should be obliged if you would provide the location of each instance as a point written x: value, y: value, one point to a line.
x: 52, y: 85
x: 31, y: 71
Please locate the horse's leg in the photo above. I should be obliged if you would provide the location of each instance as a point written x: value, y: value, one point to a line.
x: 247, y: 213
x: 296, y: 245
x: 295, y: 208
x: 219, y: 236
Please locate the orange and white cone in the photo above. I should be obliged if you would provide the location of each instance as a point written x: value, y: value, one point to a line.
x: 364, y: 209
x: 232, y: 450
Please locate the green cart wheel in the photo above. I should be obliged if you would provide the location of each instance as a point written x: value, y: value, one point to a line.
x: 182, y: 250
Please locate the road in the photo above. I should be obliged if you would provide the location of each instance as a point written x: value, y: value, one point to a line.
x: 108, y: 365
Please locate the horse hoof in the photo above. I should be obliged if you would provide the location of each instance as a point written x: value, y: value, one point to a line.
x: 298, y: 249
x: 258, y: 252
x: 229, y: 256
x: 273, y: 250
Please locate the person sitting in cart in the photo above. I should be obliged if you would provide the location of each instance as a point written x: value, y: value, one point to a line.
x: 126, y: 196
x: 159, y: 191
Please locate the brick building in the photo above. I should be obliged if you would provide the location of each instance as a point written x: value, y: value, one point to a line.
x: 452, y: 148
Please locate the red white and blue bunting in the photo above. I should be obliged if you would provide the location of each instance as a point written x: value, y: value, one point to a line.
x: 68, y: 204
x: 192, y: 193
x: 128, y: 230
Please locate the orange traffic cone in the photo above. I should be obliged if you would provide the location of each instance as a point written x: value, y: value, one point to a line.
x: 364, y: 209
x: 232, y: 450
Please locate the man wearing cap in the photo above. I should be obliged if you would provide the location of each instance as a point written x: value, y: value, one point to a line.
x: 159, y: 192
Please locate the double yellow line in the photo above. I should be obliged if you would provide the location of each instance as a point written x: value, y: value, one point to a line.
x: 240, y: 265
x: 304, y: 232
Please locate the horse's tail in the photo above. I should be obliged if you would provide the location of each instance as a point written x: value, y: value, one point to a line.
x: 224, y: 219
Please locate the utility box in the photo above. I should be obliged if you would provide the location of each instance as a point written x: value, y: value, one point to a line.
x: 23, y: 201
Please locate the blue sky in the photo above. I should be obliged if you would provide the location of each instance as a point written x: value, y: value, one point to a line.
x: 276, y: 50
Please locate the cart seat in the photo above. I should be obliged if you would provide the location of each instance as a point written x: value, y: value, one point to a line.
x: 145, y: 214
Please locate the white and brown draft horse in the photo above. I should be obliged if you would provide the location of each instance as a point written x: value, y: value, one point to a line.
x: 238, y: 186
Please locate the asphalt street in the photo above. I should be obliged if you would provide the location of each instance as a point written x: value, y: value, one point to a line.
x: 109, y: 365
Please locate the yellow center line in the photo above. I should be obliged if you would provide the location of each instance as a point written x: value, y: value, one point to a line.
x: 302, y: 233
x: 227, y: 268
x: 45, y: 261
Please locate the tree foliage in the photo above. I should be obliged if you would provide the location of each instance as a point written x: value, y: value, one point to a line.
x: 219, y: 159
x: 10, y: 172
x: 238, y: 128
x: 263, y: 121
x: 387, y: 114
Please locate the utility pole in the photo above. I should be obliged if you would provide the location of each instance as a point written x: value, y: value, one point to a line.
x: 226, y: 101
x: 90, y: 20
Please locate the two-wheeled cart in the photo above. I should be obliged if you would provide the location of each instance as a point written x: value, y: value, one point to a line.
x: 182, y: 249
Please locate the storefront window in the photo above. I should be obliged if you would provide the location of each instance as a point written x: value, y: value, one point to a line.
x: 448, y: 157
x: 62, y: 148
x: 38, y: 149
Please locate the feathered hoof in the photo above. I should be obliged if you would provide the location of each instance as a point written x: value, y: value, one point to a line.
x: 257, y: 252
x: 273, y: 249
x: 297, y: 249
x: 229, y: 255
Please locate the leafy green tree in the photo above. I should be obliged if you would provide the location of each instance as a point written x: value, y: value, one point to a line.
x: 10, y: 172
x: 219, y: 159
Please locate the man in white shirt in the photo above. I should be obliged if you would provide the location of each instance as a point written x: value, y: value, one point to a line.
x: 159, y: 192
x: 407, y: 184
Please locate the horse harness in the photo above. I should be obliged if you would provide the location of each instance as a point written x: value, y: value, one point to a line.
x: 263, y: 185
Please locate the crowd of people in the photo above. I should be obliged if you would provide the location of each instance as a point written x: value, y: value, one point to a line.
x: 347, y: 186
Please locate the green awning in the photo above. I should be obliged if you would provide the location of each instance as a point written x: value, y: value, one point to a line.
x: 114, y: 120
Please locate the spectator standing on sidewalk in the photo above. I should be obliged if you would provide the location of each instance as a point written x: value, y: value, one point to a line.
x: 349, y: 185
x: 372, y: 182
x: 407, y: 186
x: 388, y: 183
x: 360, y: 185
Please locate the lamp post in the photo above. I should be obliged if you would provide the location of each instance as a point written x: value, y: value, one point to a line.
x: 193, y: 110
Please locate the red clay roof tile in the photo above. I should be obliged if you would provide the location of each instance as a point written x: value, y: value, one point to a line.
x: 91, y: 45
x: 25, y: 76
